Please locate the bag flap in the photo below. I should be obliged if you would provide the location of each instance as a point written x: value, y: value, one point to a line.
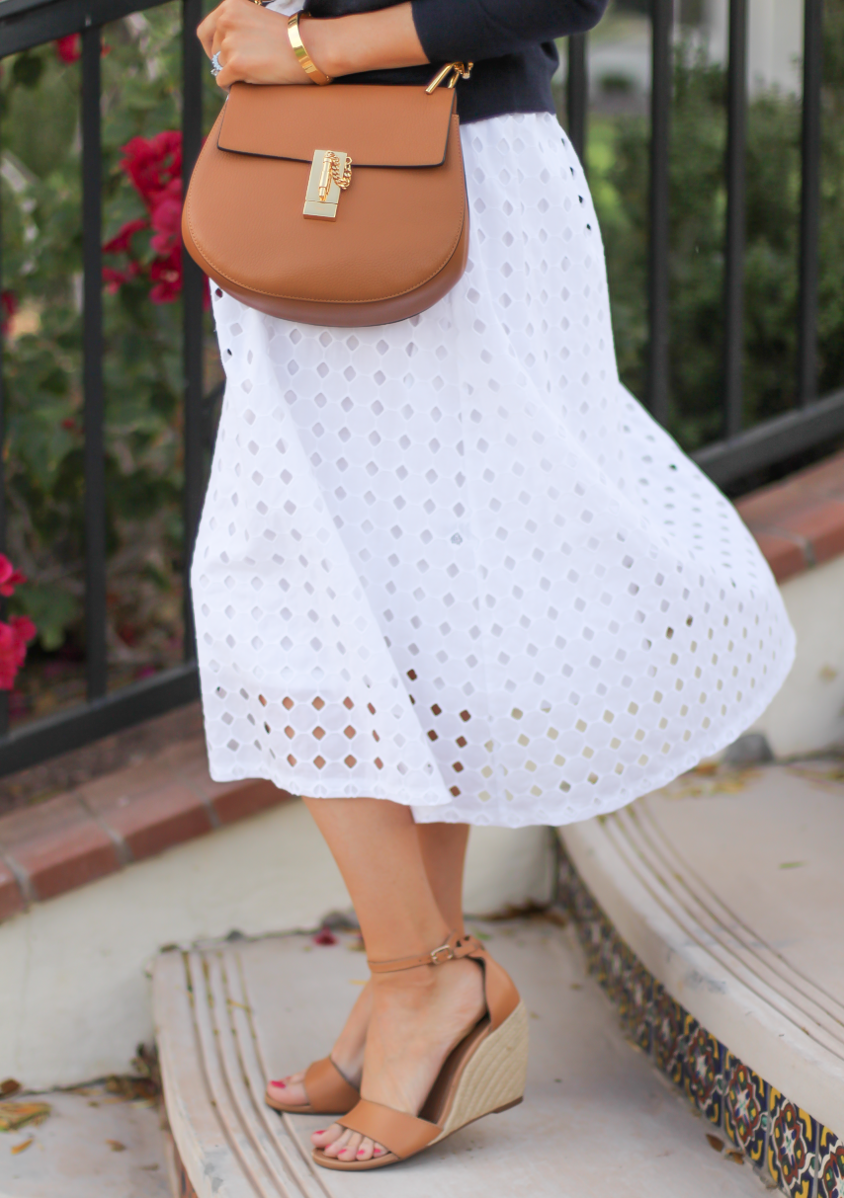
x: 374, y: 125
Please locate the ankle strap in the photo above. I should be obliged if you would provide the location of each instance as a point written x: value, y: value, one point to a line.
x: 454, y: 948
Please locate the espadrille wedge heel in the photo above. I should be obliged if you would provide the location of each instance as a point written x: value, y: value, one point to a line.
x: 484, y: 1074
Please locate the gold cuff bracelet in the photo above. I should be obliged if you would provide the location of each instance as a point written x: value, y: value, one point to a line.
x: 302, y: 56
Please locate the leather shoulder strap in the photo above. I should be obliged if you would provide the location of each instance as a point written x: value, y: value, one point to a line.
x: 327, y: 1089
x: 401, y: 1134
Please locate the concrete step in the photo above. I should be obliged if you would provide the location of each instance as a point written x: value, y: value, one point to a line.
x: 91, y: 1145
x: 711, y: 911
x: 597, y: 1118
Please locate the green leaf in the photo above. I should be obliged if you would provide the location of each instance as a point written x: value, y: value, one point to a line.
x: 27, y: 69
x: 51, y: 609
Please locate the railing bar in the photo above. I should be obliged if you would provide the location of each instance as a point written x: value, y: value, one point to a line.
x: 92, y: 371
x: 658, y: 248
x: 810, y: 200
x: 66, y: 730
x: 32, y: 25
x: 577, y: 94
x: 193, y: 284
x: 776, y: 440
x: 736, y: 215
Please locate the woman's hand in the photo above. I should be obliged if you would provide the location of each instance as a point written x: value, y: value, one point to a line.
x: 254, y: 48
x: 252, y: 43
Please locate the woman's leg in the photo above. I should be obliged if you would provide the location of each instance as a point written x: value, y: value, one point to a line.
x: 418, y: 1015
x: 443, y: 848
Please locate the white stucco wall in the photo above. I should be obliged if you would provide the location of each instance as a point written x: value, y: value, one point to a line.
x: 807, y: 715
x: 74, y: 998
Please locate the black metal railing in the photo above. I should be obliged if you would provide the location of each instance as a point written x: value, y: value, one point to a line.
x: 740, y: 452
x: 27, y: 23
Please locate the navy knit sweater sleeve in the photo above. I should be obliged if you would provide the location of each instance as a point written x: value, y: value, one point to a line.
x: 478, y: 29
x: 511, y: 43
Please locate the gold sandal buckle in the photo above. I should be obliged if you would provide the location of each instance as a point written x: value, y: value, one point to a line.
x: 444, y: 948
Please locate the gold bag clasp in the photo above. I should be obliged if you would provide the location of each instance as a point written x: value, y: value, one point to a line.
x: 331, y: 173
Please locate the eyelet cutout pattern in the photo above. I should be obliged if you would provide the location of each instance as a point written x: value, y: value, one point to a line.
x: 451, y: 562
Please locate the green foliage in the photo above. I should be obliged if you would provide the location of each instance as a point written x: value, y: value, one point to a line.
x: 618, y: 161
x: 142, y: 364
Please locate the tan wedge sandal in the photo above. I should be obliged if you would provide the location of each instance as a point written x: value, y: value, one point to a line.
x: 483, y: 1075
x: 328, y: 1092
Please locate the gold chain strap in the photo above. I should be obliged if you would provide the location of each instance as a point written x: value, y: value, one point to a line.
x: 345, y: 179
x: 331, y: 171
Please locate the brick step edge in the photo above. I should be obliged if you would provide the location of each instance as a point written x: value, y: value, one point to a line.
x: 799, y: 523
x: 108, y: 824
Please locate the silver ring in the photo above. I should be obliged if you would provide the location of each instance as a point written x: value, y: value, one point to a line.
x: 216, y: 65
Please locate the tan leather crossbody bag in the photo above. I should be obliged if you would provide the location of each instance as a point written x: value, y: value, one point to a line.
x: 332, y: 205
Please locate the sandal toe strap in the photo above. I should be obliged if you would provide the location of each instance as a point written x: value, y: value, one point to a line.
x: 403, y: 1135
x: 327, y: 1089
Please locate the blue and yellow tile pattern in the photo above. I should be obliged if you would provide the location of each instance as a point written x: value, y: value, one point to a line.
x: 789, y: 1148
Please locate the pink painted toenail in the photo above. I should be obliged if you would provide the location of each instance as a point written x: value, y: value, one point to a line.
x: 361, y: 1152
x: 320, y: 1131
x: 280, y: 1085
x: 377, y: 1151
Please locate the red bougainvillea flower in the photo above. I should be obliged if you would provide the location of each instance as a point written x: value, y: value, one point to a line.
x: 154, y: 167
x: 24, y: 630
x: 324, y: 936
x: 166, y: 219
x: 122, y: 243
x: 166, y: 273
x: 9, y: 577
x: 152, y: 163
x: 68, y: 49
x: 13, y: 641
x: 8, y: 307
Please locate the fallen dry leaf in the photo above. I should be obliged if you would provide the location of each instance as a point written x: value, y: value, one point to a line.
x: 820, y: 776
x: 127, y: 1089
x: 736, y: 1157
x: 729, y: 782
x: 17, y: 1114
x: 9, y: 1087
x: 116, y: 1146
x: 715, y: 1142
x: 22, y: 1147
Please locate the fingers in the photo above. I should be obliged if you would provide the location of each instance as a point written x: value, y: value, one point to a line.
x: 231, y: 72
x: 219, y: 21
x: 206, y: 31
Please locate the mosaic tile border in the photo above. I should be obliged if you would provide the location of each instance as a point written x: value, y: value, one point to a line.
x: 789, y: 1149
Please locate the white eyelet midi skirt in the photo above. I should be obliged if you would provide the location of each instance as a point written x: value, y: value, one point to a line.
x: 451, y: 562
